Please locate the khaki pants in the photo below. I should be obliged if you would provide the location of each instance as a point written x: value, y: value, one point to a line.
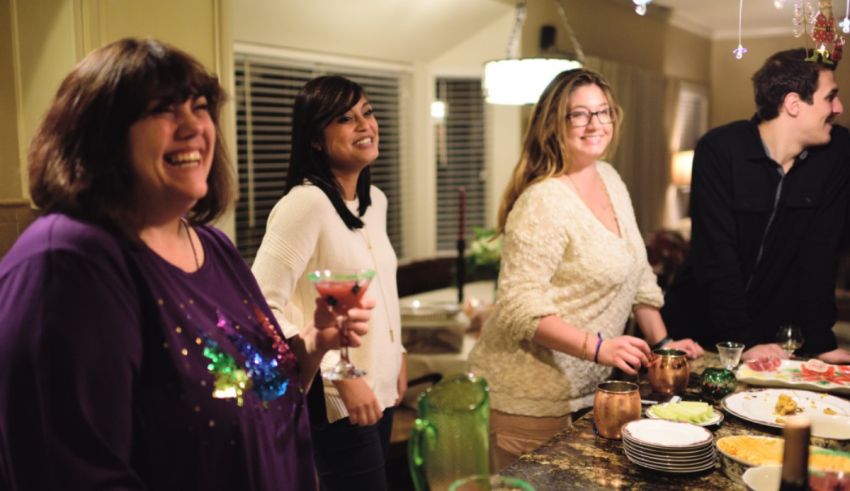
x: 512, y: 435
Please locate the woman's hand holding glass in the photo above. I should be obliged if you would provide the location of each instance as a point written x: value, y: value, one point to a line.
x: 627, y: 353
x: 330, y: 336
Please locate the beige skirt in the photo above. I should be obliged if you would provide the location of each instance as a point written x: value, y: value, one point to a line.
x: 512, y: 435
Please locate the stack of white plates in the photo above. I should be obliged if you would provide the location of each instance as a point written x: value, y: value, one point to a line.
x: 669, y: 446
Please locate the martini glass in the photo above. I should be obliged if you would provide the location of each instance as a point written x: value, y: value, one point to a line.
x: 342, y: 290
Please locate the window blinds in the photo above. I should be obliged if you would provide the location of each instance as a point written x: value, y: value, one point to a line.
x: 265, y: 89
x: 460, y: 159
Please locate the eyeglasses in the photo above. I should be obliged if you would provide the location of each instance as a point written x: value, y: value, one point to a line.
x: 582, y: 118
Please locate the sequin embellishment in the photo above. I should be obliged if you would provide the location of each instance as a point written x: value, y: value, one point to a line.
x: 261, y: 373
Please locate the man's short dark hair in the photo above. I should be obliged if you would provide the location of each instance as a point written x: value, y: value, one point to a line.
x: 785, y: 72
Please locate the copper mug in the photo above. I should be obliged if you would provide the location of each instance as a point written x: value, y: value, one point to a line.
x: 669, y: 371
x: 616, y: 403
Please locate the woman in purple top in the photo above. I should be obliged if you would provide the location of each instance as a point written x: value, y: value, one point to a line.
x: 136, y: 350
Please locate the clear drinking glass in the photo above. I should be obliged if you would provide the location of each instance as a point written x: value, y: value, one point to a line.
x: 790, y: 338
x: 730, y: 354
x: 342, y: 290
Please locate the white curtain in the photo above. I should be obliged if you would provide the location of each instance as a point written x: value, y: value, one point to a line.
x: 643, y: 156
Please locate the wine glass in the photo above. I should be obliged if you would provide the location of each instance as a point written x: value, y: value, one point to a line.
x: 342, y: 290
x: 730, y: 354
x: 790, y: 338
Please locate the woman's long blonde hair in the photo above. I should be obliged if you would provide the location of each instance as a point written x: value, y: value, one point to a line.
x: 545, y: 153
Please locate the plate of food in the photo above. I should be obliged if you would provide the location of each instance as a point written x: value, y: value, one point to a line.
x: 696, y: 412
x: 811, y: 375
x: 830, y: 415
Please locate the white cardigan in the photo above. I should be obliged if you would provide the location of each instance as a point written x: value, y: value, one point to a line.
x: 305, y: 233
x: 558, y: 259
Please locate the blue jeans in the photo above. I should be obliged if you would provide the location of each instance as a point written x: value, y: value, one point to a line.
x: 350, y: 457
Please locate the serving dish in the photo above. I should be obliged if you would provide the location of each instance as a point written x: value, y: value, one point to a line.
x: 791, y: 374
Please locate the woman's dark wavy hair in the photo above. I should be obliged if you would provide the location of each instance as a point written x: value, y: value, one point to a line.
x: 784, y: 72
x: 319, y: 102
x: 79, y: 160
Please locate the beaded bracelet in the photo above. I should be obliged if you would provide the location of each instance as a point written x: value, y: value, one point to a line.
x: 598, y: 344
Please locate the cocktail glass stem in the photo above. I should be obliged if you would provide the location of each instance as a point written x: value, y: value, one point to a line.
x: 342, y: 290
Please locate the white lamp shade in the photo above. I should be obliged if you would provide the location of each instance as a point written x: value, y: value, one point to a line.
x: 521, y: 81
x: 682, y: 164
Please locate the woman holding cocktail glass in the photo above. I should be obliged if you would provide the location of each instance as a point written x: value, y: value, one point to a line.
x: 574, y: 268
x: 332, y: 218
x: 136, y: 350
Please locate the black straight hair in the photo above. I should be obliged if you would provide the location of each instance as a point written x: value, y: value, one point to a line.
x: 316, y: 105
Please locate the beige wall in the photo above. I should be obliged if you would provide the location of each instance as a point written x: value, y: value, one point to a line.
x: 612, y: 31
x: 11, y: 187
x: 687, y: 56
x: 42, y: 40
x: 731, y: 90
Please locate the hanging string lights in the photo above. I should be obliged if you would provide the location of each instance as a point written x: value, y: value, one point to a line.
x: 640, y: 6
x: 740, y: 51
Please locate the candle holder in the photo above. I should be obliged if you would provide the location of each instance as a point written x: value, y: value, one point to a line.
x: 717, y: 383
x: 461, y: 269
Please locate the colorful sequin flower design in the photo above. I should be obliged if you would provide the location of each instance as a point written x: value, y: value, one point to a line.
x: 261, y: 373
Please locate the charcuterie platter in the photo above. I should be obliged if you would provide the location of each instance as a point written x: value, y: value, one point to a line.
x: 811, y: 375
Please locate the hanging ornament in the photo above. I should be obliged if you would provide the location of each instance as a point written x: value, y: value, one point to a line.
x: 845, y: 24
x: 640, y: 6
x: 798, y: 20
x: 828, y: 43
x: 740, y: 50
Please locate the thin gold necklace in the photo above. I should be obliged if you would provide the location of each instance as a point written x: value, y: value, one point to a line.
x: 185, y: 224
x: 608, y: 205
x: 365, y: 234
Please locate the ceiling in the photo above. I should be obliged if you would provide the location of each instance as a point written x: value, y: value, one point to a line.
x: 718, y: 19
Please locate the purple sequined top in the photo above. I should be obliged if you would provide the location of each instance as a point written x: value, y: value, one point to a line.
x: 120, y: 371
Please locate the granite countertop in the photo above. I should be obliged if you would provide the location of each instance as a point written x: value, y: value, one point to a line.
x: 577, y: 458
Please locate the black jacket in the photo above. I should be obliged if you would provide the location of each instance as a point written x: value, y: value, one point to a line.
x: 764, y: 246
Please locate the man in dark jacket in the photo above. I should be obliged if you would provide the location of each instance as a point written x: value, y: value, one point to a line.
x: 769, y: 203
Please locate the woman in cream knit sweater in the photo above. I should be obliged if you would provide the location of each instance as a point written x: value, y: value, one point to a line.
x: 573, y: 269
x: 331, y: 217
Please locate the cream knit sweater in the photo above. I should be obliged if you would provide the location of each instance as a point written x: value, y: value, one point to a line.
x: 559, y: 259
x: 304, y: 233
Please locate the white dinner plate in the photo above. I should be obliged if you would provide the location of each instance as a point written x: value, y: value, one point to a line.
x: 674, y: 470
x: 670, y: 461
x: 758, y: 406
x: 666, y: 435
x: 717, y: 419
x: 669, y: 456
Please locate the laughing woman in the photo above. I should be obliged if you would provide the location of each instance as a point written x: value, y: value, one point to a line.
x: 331, y: 217
x: 136, y: 350
x: 573, y: 269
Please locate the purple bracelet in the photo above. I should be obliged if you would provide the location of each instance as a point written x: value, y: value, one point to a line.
x: 598, y: 344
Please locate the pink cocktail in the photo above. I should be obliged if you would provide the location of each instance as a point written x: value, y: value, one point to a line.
x: 342, y: 290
